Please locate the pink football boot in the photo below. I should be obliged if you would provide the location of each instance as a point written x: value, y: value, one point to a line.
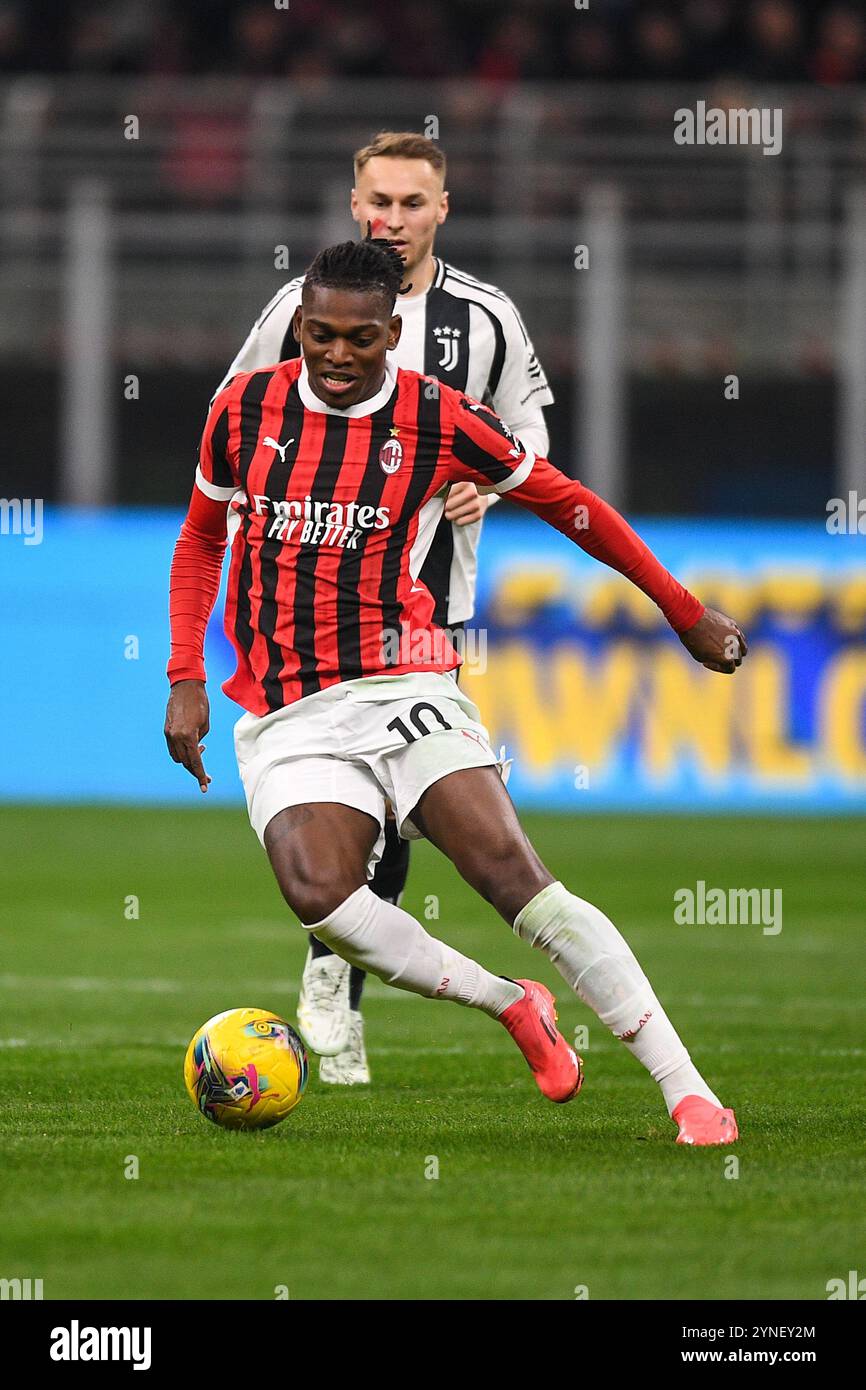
x: 557, y: 1069
x: 700, y: 1122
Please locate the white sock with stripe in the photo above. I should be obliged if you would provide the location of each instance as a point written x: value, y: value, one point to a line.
x: 380, y: 937
x: 601, y: 968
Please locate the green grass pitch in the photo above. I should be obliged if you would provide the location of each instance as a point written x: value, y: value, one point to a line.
x: 532, y: 1200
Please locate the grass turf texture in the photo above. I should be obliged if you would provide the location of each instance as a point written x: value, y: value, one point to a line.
x: 532, y: 1199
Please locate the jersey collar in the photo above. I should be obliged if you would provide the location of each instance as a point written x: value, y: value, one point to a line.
x: 418, y: 299
x: 352, y: 412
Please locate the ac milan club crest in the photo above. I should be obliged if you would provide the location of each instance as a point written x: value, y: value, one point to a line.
x: 391, y: 455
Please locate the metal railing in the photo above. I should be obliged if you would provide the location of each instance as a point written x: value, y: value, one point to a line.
x: 721, y: 253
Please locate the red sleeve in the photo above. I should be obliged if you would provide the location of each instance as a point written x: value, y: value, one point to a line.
x: 484, y: 450
x: 215, y: 471
x: 196, y: 565
x: 196, y: 568
x: 599, y: 529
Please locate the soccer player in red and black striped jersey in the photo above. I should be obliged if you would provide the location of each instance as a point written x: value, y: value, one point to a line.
x: 341, y: 463
x: 471, y: 336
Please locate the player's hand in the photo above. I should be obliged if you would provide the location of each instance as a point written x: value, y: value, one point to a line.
x: 187, y: 720
x: 716, y: 642
x: 463, y: 505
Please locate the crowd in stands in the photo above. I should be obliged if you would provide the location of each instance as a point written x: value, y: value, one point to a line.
x: 820, y: 41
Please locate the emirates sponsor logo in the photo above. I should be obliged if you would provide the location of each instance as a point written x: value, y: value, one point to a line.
x: 308, y: 522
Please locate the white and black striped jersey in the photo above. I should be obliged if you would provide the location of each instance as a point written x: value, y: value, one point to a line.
x: 470, y: 336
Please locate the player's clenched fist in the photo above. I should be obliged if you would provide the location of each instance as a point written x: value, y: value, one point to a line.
x: 187, y: 720
x: 464, y: 505
x: 716, y: 641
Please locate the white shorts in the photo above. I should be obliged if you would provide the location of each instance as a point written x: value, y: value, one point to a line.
x: 360, y: 743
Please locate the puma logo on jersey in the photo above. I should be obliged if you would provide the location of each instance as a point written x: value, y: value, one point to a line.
x: 280, y: 448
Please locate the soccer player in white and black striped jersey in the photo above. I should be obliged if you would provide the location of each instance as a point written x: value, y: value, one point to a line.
x: 470, y: 336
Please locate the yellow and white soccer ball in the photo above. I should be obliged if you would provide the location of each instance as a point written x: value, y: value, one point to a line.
x: 245, y: 1069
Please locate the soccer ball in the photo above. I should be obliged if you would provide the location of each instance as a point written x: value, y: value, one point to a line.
x: 245, y: 1069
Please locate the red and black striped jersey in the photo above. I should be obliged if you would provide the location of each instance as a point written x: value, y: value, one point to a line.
x: 336, y: 510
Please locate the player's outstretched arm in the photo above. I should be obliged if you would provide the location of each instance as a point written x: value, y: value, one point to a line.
x: 484, y: 450
x: 712, y: 638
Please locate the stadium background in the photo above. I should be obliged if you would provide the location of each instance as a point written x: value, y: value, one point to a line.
x: 166, y: 168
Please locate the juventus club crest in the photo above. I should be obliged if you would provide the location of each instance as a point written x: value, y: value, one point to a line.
x: 448, y: 340
x: 391, y: 453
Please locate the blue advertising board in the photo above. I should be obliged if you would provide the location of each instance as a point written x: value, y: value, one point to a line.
x: 574, y: 671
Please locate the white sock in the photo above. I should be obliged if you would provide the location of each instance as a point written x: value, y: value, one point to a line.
x: 382, y: 938
x: 601, y: 968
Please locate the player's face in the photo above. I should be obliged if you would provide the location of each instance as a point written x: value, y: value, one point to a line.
x: 405, y: 202
x: 344, y: 335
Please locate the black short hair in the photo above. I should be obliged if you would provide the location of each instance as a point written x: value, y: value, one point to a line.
x: 372, y: 265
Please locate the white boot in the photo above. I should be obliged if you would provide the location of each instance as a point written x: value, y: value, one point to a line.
x: 350, y: 1067
x: 323, y: 1008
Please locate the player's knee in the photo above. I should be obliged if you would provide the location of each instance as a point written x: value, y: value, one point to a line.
x: 508, y: 873
x: 314, y: 891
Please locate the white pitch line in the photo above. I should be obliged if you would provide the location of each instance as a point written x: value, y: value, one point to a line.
x: 97, y: 984
x: 590, y: 1050
x: 374, y: 989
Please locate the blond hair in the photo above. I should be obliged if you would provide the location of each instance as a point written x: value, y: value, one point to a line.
x: 400, y: 144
